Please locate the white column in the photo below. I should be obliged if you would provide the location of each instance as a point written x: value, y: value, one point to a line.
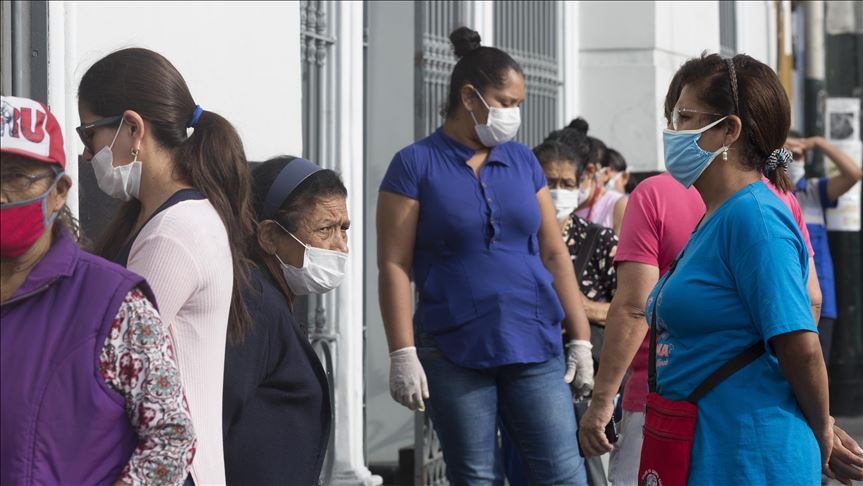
x: 348, y: 448
x: 61, y: 15
x: 569, y: 53
x: 482, y: 18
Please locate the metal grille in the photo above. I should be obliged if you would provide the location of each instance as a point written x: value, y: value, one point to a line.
x: 434, y: 22
x: 318, y: 43
x: 727, y: 28
x: 529, y: 32
x: 430, y: 468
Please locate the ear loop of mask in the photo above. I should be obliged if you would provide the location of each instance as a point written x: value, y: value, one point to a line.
x: 54, y: 214
x: 116, y: 134
x: 483, y: 103
x: 276, y: 253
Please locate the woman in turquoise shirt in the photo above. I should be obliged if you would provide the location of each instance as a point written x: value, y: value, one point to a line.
x: 740, y: 279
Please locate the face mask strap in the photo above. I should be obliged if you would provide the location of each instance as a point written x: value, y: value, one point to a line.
x: 49, y: 220
x: 481, y: 98
x: 117, y: 134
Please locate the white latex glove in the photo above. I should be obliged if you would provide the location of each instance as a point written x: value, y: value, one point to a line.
x: 408, y: 384
x: 579, y: 366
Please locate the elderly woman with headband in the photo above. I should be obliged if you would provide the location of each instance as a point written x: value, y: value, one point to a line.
x: 277, y: 410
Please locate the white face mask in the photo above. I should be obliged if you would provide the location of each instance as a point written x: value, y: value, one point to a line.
x: 586, y: 193
x: 501, y: 126
x: 323, y: 270
x: 611, y: 185
x: 565, y: 202
x: 122, y: 182
x: 796, y: 170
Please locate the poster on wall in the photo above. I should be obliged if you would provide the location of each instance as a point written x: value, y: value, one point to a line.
x: 842, y: 119
x: 846, y: 215
x: 842, y: 128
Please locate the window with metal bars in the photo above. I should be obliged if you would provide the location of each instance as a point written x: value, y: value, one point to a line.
x: 529, y: 31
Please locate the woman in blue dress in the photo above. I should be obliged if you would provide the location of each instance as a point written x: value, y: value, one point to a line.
x: 740, y: 279
x: 466, y: 214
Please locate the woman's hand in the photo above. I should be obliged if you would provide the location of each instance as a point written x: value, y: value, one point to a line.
x: 579, y: 367
x: 591, y: 428
x: 846, y: 459
x: 825, y: 443
x: 408, y: 383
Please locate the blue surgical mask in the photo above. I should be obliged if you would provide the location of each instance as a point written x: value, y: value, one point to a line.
x: 685, y: 160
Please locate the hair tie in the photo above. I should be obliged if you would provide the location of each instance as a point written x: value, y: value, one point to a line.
x: 193, y: 122
x: 778, y: 158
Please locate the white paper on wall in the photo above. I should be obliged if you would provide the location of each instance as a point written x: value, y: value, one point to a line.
x: 846, y: 215
x: 842, y: 119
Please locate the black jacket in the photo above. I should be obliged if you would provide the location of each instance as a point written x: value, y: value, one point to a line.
x: 276, y: 408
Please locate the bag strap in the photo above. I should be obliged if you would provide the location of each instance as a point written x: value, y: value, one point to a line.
x: 730, y: 367
x: 733, y: 365
x: 587, y: 250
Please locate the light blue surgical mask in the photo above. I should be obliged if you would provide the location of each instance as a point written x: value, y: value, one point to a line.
x: 685, y: 160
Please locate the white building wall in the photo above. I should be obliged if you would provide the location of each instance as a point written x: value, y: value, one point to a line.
x: 240, y: 59
x: 630, y: 50
x: 756, y: 30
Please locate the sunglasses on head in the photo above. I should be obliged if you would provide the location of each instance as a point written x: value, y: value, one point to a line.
x: 85, y: 132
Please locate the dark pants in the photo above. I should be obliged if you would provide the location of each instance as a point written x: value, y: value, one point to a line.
x: 825, y: 335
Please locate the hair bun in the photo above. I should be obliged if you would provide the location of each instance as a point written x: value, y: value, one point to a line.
x: 580, y: 125
x: 464, y: 41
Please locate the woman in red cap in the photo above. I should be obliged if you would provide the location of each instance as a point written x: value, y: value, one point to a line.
x: 89, y: 385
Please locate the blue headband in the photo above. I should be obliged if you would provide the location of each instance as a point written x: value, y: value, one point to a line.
x: 193, y: 122
x: 291, y: 176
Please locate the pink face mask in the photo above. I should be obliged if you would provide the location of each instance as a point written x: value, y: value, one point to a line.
x: 23, y: 223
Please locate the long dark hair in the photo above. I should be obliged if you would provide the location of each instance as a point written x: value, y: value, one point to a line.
x: 211, y: 160
x: 751, y: 90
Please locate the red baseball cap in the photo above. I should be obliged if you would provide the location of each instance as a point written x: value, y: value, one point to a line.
x: 27, y: 128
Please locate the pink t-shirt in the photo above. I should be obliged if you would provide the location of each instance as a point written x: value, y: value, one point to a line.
x: 658, y: 221
x: 603, y: 209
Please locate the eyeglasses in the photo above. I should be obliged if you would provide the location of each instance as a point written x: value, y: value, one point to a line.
x: 15, y: 183
x: 85, y: 132
x: 675, y: 115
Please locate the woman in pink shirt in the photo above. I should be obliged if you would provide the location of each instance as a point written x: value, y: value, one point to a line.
x: 187, y: 218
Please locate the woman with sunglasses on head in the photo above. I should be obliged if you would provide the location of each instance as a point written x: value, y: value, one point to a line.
x: 89, y: 382
x: 466, y: 213
x: 277, y: 411
x: 185, y: 222
x: 736, y: 297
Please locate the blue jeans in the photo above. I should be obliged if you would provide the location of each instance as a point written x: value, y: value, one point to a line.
x: 530, y: 400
